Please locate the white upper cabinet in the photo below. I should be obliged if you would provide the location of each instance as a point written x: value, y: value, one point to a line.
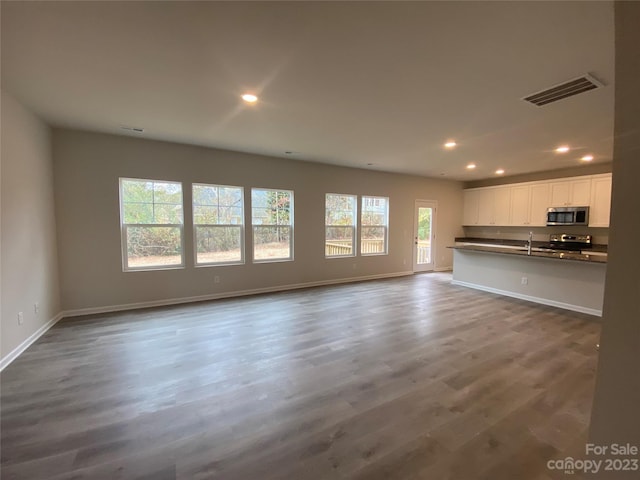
x: 540, y: 200
x: 529, y: 203
x: 501, y: 205
x: 487, y: 206
x: 525, y: 204
x: 520, y: 202
x: 574, y: 192
x: 471, y: 206
x: 600, y: 201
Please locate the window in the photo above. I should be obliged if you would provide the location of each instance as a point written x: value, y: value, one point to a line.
x: 374, y: 225
x: 340, y: 225
x: 218, y: 222
x: 272, y: 220
x: 151, y: 223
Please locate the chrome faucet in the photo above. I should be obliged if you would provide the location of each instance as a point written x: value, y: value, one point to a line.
x: 529, y: 243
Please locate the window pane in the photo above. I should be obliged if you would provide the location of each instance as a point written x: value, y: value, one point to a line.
x: 340, y: 209
x: 148, y: 202
x: 164, y: 192
x: 374, y: 220
x: 153, y: 246
x: 259, y: 198
x: 230, y: 216
x: 217, y: 205
x: 271, y: 243
x: 205, y: 195
x: 373, y: 240
x: 230, y: 196
x: 164, y: 213
x: 205, y: 215
x: 262, y: 216
x: 339, y: 241
x: 138, y: 191
x: 138, y: 212
x: 218, y: 244
x: 271, y: 207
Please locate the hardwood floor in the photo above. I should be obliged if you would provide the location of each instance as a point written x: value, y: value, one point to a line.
x: 409, y: 378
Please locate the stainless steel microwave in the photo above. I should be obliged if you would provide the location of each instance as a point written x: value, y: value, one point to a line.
x: 568, y: 216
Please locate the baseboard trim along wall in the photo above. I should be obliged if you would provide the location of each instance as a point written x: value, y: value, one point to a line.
x: 443, y: 269
x: 543, y: 301
x: 217, y: 296
x: 15, y: 353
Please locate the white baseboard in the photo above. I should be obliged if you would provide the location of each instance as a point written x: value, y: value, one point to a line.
x: 217, y: 296
x: 11, y: 356
x: 443, y: 269
x: 543, y: 301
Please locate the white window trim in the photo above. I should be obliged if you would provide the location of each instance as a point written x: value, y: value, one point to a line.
x: 354, y: 226
x: 123, y: 230
x: 290, y: 225
x: 196, y: 225
x: 217, y: 264
x: 385, y: 226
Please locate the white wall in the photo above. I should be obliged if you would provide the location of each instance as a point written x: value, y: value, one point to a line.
x: 616, y: 416
x: 29, y: 262
x: 87, y: 168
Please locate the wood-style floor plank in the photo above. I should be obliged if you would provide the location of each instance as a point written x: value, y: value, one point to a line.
x: 409, y: 378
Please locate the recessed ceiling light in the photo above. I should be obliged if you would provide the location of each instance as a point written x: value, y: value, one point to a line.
x: 450, y: 144
x: 562, y: 149
x: 471, y: 166
x: 500, y: 171
x: 249, y: 98
x: 587, y: 158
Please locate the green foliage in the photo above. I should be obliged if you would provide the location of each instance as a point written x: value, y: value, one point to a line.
x: 215, y: 205
x: 150, y: 202
x: 340, y: 209
x: 424, y: 223
x: 217, y: 239
x: 151, y: 241
x: 271, y: 207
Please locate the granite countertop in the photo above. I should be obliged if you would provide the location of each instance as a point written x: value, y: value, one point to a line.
x: 508, y: 249
x: 600, y: 248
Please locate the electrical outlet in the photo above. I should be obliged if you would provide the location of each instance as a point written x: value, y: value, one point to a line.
x: 524, y: 281
x: 354, y: 266
x: 36, y: 308
x: 20, y: 318
x: 216, y: 279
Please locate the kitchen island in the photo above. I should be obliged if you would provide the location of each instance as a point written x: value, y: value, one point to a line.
x: 570, y: 280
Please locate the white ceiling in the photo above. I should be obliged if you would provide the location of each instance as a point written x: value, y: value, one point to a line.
x: 348, y: 83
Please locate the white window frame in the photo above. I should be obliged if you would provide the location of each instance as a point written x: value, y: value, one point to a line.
x: 290, y: 225
x: 196, y: 225
x: 124, y: 227
x: 374, y: 201
x: 353, y: 226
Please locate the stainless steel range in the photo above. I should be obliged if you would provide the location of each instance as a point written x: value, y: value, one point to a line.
x: 563, y: 242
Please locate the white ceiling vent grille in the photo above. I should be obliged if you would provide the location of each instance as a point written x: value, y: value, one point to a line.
x: 564, y: 90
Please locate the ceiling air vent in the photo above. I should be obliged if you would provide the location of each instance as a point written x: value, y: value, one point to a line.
x: 132, y: 129
x: 567, y: 89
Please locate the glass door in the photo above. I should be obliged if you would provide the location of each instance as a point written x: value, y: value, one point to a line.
x: 424, y: 235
